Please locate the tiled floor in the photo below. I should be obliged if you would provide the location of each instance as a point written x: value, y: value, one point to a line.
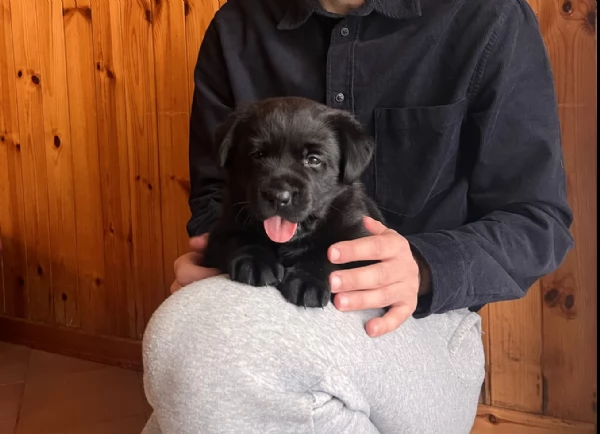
x: 43, y: 393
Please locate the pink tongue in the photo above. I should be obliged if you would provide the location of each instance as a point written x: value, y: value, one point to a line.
x: 280, y: 230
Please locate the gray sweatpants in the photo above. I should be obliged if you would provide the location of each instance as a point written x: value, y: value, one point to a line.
x: 222, y: 357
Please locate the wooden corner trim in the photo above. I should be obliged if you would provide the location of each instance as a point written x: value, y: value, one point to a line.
x: 109, y: 350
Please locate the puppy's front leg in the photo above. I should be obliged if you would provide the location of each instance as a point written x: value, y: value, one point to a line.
x: 306, y: 282
x: 245, y: 258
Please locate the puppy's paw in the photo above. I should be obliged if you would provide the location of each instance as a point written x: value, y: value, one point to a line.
x: 304, y: 289
x: 255, y: 266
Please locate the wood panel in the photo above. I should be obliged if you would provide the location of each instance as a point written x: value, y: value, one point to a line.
x: 541, y: 349
x: 69, y: 341
x: 486, y: 389
x: 120, y: 316
x: 569, y: 313
x: 32, y: 146
x: 515, y: 353
x: 13, y: 258
x: 493, y: 420
x: 172, y: 100
x: 142, y: 138
x: 84, y: 135
x: 59, y: 163
x: 94, y: 114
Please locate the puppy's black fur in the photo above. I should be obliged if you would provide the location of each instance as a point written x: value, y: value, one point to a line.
x: 300, y: 160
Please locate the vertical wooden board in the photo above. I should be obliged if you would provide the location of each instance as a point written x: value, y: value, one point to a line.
x: 516, y: 348
x: 119, y: 295
x: 486, y: 390
x: 59, y: 166
x: 198, y: 15
x: 77, y: 18
x: 173, y: 128
x: 570, y: 294
x: 12, y: 219
x: 492, y: 420
x: 143, y: 157
x: 33, y: 157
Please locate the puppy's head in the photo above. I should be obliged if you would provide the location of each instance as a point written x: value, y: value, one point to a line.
x: 288, y: 158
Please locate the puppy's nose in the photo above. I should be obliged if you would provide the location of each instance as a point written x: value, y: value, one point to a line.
x: 278, y: 197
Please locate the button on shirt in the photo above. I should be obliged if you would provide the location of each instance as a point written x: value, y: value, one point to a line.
x: 459, y: 96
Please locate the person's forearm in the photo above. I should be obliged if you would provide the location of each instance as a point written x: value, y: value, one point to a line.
x: 424, y: 274
x: 497, y: 258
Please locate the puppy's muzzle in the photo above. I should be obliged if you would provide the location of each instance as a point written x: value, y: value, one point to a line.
x: 278, y: 193
x: 277, y: 198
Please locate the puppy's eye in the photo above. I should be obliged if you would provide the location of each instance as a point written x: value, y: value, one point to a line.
x: 313, y: 161
x: 257, y: 155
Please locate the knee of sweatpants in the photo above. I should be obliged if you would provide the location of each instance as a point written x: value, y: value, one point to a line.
x: 216, y: 346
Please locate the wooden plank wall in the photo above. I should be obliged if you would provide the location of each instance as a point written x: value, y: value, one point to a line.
x: 94, y: 108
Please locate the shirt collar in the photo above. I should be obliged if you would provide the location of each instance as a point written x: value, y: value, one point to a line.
x: 299, y: 11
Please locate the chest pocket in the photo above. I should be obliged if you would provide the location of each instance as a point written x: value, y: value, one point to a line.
x: 416, y: 154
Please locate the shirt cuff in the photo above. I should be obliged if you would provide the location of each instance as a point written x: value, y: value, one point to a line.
x: 441, y: 254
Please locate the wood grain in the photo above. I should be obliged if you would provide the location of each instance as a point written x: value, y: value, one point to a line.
x: 94, y: 107
x: 172, y: 101
x: 144, y: 169
x: 569, y: 313
x: 515, y: 352
x: 12, y: 220
x: 119, y: 311
x: 492, y: 420
x: 71, y: 342
x: 59, y: 164
x: 486, y: 389
x: 32, y: 146
x: 86, y: 171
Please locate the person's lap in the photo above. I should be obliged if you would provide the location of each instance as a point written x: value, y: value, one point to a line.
x: 221, y: 357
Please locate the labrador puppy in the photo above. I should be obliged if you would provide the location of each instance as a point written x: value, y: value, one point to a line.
x: 292, y: 168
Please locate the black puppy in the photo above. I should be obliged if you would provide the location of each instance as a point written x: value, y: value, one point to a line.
x: 293, y: 189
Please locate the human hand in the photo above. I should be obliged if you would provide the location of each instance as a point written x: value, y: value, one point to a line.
x: 392, y: 283
x: 187, y: 268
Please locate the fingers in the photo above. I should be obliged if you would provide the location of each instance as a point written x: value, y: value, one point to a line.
x: 188, y: 271
x: 175, y: 287
x: 390, y: 321
x: 369, y: 299
x: 374, y: 226
x: 369, y: 277
x: 199, y: 243
x: 376, y: 247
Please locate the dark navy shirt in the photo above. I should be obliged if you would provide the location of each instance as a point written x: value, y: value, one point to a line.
x: 459, y: 96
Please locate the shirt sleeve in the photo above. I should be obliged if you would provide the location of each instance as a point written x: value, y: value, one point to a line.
x: 517, y: 186
x: 212, y: 102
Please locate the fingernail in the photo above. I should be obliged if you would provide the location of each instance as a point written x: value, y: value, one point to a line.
x: 336, y: 282
x: 374, y: 331
x: 343, y: 301
x: 335, y: 254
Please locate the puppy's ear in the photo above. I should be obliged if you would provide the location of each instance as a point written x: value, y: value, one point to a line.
x: 356, y: 146
x: 224, y: 136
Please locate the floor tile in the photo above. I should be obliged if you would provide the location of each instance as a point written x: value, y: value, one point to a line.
x: 147, y: 408
x: 129, y: 425
x: 63, y: 393
x: 10, y: 397
x: 48, y: 365
x: 13, y: 363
